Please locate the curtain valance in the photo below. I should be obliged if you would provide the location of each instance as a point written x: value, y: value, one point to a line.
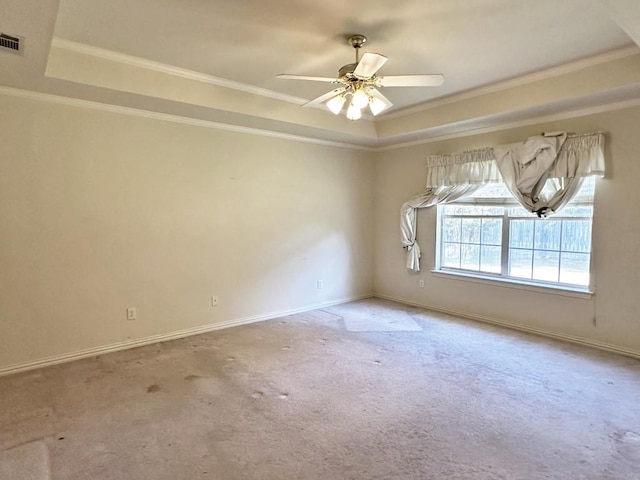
x: 524, y: 167
x: 467, y: 168
x: 479, y: 166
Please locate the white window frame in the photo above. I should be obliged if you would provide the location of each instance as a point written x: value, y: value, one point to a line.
x: 503, y: 279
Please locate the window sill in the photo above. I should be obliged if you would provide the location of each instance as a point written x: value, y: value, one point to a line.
x: 561, y: 290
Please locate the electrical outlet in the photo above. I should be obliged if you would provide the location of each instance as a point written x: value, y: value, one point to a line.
x: 131, y: 313
x: 421, y: 283
x: 214, y: 301
x: 319, y: 284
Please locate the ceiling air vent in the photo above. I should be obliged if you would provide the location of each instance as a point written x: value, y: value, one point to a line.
x: 11, y: 44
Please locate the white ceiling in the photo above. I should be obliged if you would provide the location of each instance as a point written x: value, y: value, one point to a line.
x: 173, y: 57
x: 251, y: 41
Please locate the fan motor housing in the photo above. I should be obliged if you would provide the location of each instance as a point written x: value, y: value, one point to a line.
x: 347, y: 69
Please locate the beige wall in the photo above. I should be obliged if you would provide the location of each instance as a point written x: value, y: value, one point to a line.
x: 102, y: 211
x: 400, y: 173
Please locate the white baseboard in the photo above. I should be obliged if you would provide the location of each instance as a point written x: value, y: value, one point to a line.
x: 139, y: 342
x: 629, y: 352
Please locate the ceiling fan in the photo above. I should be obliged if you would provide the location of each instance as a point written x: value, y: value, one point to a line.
x: 360, y: 83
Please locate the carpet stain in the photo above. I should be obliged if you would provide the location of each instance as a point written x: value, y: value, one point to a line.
x: 629, y: 445
x: 482, y: 404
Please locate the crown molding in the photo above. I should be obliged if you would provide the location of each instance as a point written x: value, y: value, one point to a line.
x: 171, y: 70
x: 518, y: 81
x: 470, y: 94
x: 46, y: 97
x: 581, y: 112
x: 76, y: 102
x: 500, y: 125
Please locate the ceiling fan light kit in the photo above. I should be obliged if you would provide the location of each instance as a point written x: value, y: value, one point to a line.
x: 336, y: 103
x: 359, y: 84
x: 353, y: 112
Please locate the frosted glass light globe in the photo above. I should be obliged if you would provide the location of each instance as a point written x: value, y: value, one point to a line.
x: 336, y: 103
x: 353, y: 112
x: 360, y: 99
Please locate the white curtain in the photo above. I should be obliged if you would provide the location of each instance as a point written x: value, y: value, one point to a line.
x: 473, y: 167
x: 429, y: 198
x: 527, y: 167
x: 543, y: 173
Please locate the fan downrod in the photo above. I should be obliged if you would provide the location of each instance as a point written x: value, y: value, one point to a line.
x: 356, y: 41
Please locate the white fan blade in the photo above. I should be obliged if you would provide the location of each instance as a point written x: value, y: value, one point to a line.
x: 327, y: 96
x: 375, y: 93
x: 378, y: 102
x: 305, y: 77
x: 369, y: 64
x: 434, y: 80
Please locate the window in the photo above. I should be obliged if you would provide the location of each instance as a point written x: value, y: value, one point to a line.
x: 489, y: 235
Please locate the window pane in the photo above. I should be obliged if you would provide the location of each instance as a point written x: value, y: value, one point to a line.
x: 588, y: 188
x: 454, y: 209
x: 577, y: 211
x: 552, y: 250
x: 546, y: 265
x: 472, y: 210
x: 547, y: 234
x: 490, y: 260
x: 576, y: 235
x: 493, y: 211
x: 492, y: 231
x: 519, y: 212
x: 574, y: 268
x: 450, y: 209
x: 470, y: 257
x: 451, y: 255
x: 493, y: 190
x: 521, y: 234
x: 451, y: 230
x: 470, y: 232
x: 520, y: 263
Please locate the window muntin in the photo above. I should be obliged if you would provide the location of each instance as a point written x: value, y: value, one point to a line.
x: 489, y: 234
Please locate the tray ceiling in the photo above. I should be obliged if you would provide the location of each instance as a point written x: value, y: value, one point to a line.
x: 217, y: 61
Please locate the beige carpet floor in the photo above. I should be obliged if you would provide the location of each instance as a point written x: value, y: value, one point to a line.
x: 366, y: 390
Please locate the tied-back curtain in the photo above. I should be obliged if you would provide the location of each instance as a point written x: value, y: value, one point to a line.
x: 543, y: 174
x: 429, y: 198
